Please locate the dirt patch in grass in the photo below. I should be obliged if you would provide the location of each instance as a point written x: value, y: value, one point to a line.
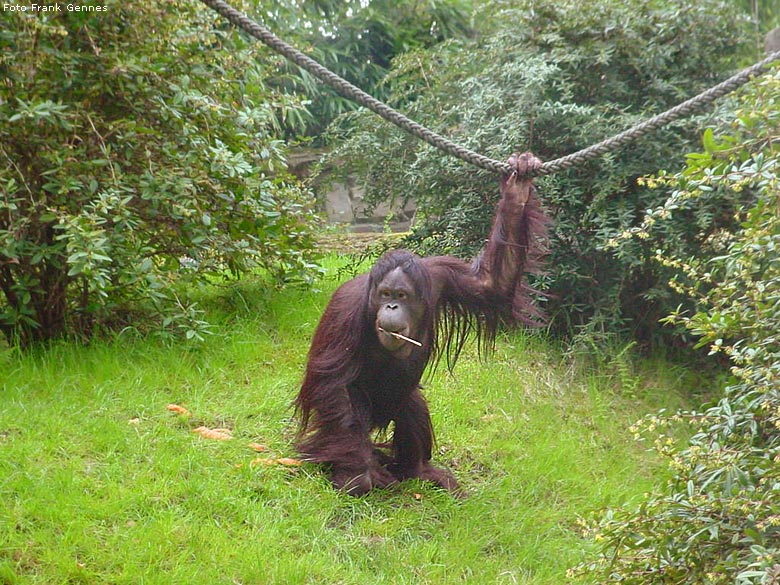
x: 357, y: 243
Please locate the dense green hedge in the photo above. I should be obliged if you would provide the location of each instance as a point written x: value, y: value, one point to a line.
x: 718, y: 520
x: 137, y: 150
x: 553, y: 77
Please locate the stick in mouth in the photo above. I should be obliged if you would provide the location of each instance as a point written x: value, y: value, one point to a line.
x: 399, y: 336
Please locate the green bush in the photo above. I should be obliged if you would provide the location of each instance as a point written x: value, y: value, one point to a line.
x: 137, y: 151
x: 552, y: 77
x: 718, y: 521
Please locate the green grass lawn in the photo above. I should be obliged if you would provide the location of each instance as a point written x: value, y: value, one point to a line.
x: 100, y: 483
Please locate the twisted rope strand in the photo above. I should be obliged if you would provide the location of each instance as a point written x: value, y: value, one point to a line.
x: 350, y: 91
x: 681, y: 110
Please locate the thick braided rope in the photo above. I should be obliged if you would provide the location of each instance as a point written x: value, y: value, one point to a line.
x: 350, y: 91
x: 679, y: 111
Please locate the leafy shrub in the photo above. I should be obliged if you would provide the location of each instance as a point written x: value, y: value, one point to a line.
x: 137, y: 151
x: 552, y: 77
x: 718, y: 521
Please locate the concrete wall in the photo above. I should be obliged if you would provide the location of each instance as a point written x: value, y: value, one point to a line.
x: 772, y: 40
x: 343, y: 203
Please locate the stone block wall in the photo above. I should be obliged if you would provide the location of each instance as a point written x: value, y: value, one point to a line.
x: 343, y: 203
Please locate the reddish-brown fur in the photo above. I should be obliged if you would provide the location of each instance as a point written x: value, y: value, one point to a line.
x: 353, y: 385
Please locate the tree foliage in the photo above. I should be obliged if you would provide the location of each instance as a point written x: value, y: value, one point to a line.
x: 357, y: 40
x: 138, y: 149
x: 552, y: 77
x: 718, y: 521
